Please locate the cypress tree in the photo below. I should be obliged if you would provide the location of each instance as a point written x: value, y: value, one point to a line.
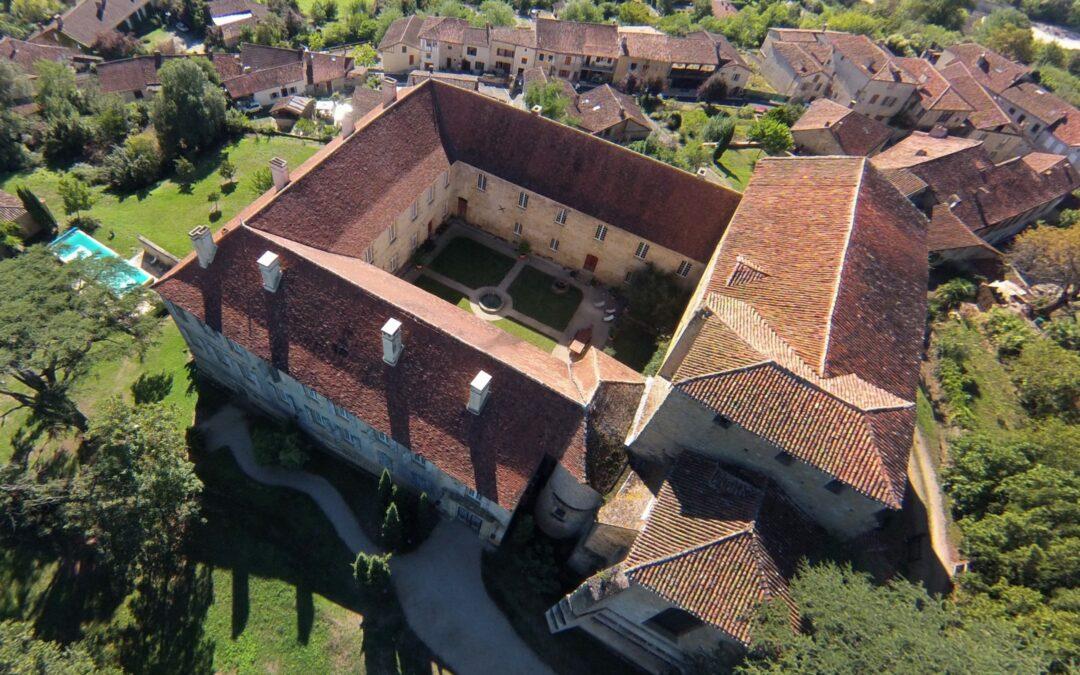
x: 391, y: 528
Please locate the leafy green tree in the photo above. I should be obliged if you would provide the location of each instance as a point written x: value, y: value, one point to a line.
x: 655, y: 299
x: 33, y: 11
x: 55, y: 320
x: 426, y: 516
x: 1014, y: 42
x: 949, y: 14
x: 495, y: 13
x: 21, y: 653
x: 189, y: 112
x: 365, y: 55
x: 261, y: 180
x: 1064, y: 330
x: 774, y: 136
x: 274, y: 445
x: 849, y: 625
x: 949, y: 295
x: 134, y: 165
x: 66, y: 137
x: 391, y: 534
x: 14, y: 87
x: 184, y: 171
x: 227, y: 171
x: 787, y: 114
x: 323, y: 11
x: 57, y: 93
x: 10, y: 238
x: 37, y: 210
x: 378, y: 579
x: 551, y: 98
x: 581, y: 10
x: 635, y: 13
x: 1047, y: 378
x: 1051, y: 53
x: 76, y: 195
x: 1050, y: 254
x: 111, y: 121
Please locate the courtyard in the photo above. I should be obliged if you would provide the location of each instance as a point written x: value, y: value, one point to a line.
x: 525, y: 295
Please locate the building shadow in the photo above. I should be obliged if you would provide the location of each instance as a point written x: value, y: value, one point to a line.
x: 305, y: 612
x: 241, y: 600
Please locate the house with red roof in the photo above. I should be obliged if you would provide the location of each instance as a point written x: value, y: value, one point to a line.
x: 828, y: 128
x: 265, y: 74
x: 89, y: 20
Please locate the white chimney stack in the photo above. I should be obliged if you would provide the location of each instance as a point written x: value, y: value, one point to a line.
x: 391, y: 341
x: 270, y: 268
x: 479, y: 389
x: 389, y: 91
x: 536, y: 110
x: 279, y: 170
x: 348, y: 124
x: 204, y: 245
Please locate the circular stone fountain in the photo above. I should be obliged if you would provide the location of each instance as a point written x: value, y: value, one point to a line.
x: 490, y: 302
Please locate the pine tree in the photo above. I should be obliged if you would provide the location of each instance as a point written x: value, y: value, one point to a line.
x: 391, y: 528
x: 425, y: 515
x: 387, y: 489
x: 379, y: 574
x: 361, y: 570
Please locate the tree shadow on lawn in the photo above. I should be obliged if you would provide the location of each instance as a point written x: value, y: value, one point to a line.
x: 282, y: 534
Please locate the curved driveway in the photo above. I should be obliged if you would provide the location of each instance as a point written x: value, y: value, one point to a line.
x: 439, y: 584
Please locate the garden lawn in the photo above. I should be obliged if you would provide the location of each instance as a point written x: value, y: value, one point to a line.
x: 509, y: 325
x: 165, y: 213
x: 635, y: 347
x: 469, y: 262
x: 533, y: 297
x: 736, y: 166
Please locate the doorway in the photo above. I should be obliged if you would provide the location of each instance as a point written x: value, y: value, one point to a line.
x: 462, y: 207
x: 430, y: 228
x: 590, y: 263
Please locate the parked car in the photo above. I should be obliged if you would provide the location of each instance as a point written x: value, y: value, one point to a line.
x: 182, y: 27
x: 249, y: 106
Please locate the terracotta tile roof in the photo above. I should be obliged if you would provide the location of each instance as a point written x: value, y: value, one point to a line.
x: 322, y: 327
x: 259, y: 57
x: 404, y: 31
x: 223, y: 8
x: 384, y: 165
x: 906, y: 182
x: 11, y: 207
x: 520, y: 37
x: 583, y: 39
x: 89, y: 19
x: 719, y: 545
x: 986, y: 113
x: 800, y: 59
x: 463, y: 80
x: 934, y: 91
x: 983, y: 195
x: 536, y: 74
x: 698, y: 49
x: 261, y: 80
x: 723, y: 8
x: 856, y: 134
x: 132, y: 74
x: 816, y: 347
x: 990, y: 69
x: 603, y: 107
x: 365, y: 100
x: 1054, y: 112
x: 867, y: 56
x: 26, y: 54
x: 726, y: 50
x: 328, y: 67
x: 444, y: 29
x: 919, y: 148
x: 947, y: 233
x: 227, y: 65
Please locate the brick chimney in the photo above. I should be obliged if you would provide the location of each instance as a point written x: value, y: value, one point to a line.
x: 279, y: 170
x: 157, y: 59
x: 391, y: 342
x: 389, y: 91
x: 205, y: 248
x: 270, y: 269
x: 479, y: 389
x: 100, y: 9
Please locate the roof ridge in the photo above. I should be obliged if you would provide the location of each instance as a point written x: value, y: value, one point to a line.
x: 746, y: 531
x: 857, y: 191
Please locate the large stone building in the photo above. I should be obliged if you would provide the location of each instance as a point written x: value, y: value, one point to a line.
x: 785, y: 407
x: 1047, y: 121
x: 955, y: 181
x: 828, y: 128
x: 295, y: 306
x: 573, y: 51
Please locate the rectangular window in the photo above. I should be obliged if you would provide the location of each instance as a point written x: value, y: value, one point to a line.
x: 642, y: 250
x: 369, y: 255
x: 517, y: 229
x: 430, y: 194
x: 684, y: 269
x: 554, y: 245
x: 446, y: 179
x: 340, y: 412
x: 394, y: 262
x: 601, y: 232
x: 471, y: 51
x: 523, y: 200
x: 873, y: 99
x: 566, y: 60
x: 393, y: 232
x: 414, y: 211
x: 560, y: 216
x: 413, y: 241
x: 481, y: 182
x: 311, y: 393
x: 628, y: 277
x: 383, y: 438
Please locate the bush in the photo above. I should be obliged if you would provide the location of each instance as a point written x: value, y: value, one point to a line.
x: 278, y: 446
x: 950, y: 294
x: 719, y: 129
x: 655, y: 299
x: 387, y: 490
x: 237, y: 123
x: 1065, y: 331
x: 66, y: 138
x: 372, y: 574
x: 713, y: 89
x: 773, y: 135
x: 786, y: 114
x: 1008, y: 331
x: 1048, y: 379
x: 135, y: 165
x: 184, y: 171
x: 390, y: 534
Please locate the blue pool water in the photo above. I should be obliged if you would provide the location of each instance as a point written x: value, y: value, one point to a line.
x: 76, y: 244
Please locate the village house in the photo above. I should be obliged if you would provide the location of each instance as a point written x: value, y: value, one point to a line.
x: 1048, y: 122
x: 295, y: 304
x: 82, y: 25
x: 954, y: 180
x: 264, y: 74
x: 229, y: 18
x: 577, y: 51
x: 134, y: 78
x: 828, y: 128
x: 26, y: 54
x: 986, y: 122
x: 777, y: 423
x: 849, y: 69
x: 680, y: 63
x: 936, y: 102
x: 602, y: 111
x: 12, y: 209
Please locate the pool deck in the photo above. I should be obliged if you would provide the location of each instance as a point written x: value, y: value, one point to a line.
x: 74, y: 244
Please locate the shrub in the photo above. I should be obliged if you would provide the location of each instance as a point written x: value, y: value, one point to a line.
x: 237, y: 123
x: 1048, y: 379
x: 1008, y: 331
x: 372, y: 574
x: 713, y: 89
x: 135, y: 165
x: 261, y: 180
x: 950, y: 294
x: 1064, y: 330
x: 185, y: 171
x: 956, y: 387
x: 387, y: 490
x: 278, y: 446
x: 655, y: 299
x: 786, y: 114
x: 773, y: 135
x: 746, y: 112
x: 37, y: 210
x: 719, y: 129
x: 66, y: 138
x: 391, y: 532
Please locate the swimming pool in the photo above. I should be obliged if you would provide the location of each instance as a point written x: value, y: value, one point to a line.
x: 76, y: 244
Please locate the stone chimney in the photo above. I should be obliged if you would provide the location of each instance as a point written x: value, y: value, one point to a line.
x: 59, y: 22
x: 348, y: 124
x: 279, y: 170
x: 389, y: 91
x: 205, y: 248
x: 270, y: 269
x: 100, y: 8
x: 391, y: 342
x: 309, y: 67
x: 479, y: 389
x: 536, y: 109
x: 938, y: 131
x: 157, y: 59
x: 982, y: 62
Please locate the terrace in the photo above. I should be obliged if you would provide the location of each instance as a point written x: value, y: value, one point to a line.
x: 525, y: 295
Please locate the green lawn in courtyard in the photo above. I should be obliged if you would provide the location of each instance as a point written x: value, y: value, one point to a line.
x: 509, y: 325
x: 469, y: 262
x: 533, y: 297
x: 634, y: 346
x: 736, y: 166
x: 165, y: 213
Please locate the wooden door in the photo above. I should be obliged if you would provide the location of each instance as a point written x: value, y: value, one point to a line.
x: 462, y: 207
x: 590, y: 263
